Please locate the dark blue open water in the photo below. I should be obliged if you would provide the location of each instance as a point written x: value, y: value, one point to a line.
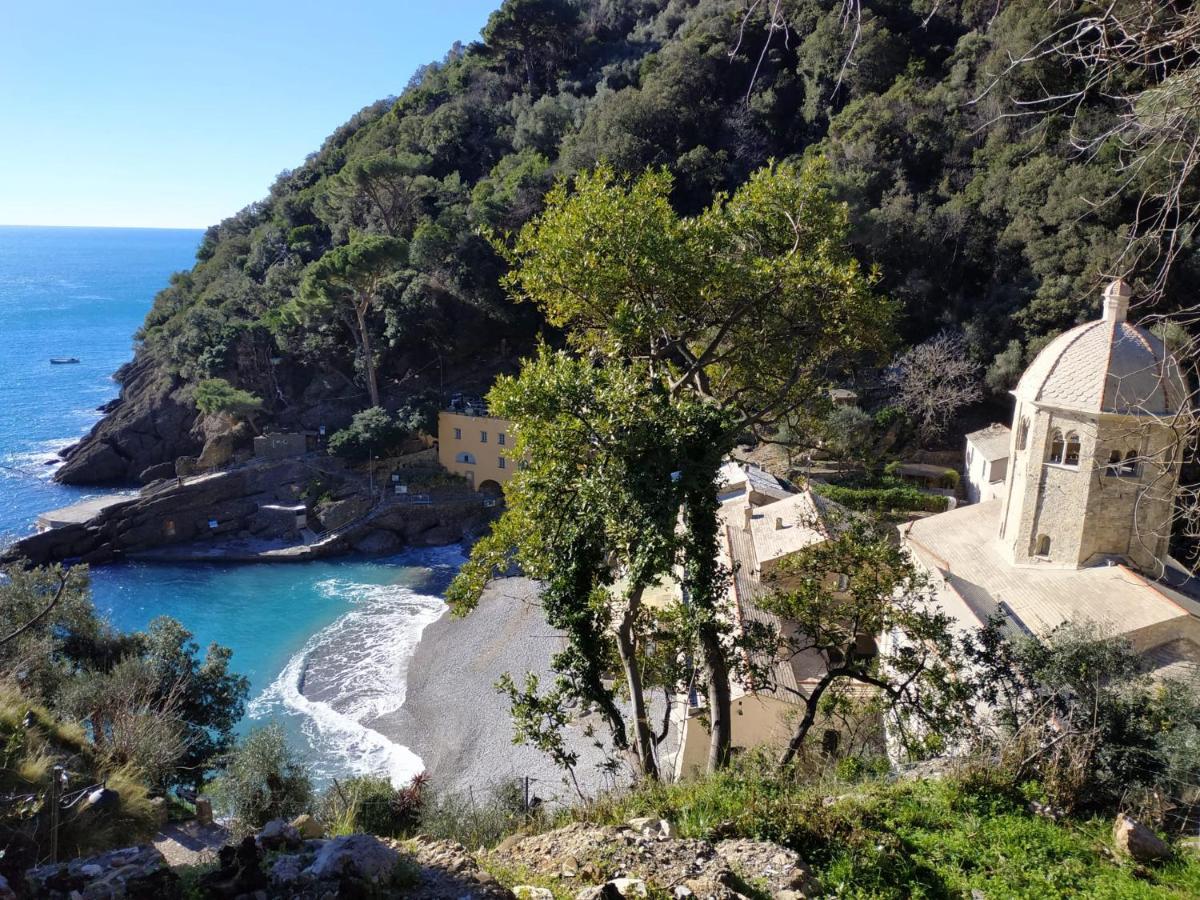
x: 325, y: 645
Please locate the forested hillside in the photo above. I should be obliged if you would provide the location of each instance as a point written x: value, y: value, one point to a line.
x: 977, y: 217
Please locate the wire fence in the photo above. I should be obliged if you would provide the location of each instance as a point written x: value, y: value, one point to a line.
x: 55, y: 800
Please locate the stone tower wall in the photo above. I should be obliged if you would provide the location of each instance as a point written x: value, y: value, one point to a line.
x: 1056, y: 495
x: 1084, y: 511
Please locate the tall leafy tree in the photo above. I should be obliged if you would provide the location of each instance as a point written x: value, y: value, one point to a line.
x: 383, y: 193
x: 753, y: 303
x: 532, y: 35
x: 750, y: 305
x: 350, y: 282
x: 611, y: 456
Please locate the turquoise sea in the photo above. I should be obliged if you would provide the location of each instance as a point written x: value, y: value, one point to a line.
x: 325, y: 645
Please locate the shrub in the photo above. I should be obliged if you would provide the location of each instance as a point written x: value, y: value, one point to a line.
x: 138, y: 722
x: 32, y: 741
x: 263, y: 780
x: 857, y: 768
x: 214, y: 395
x: 882, y: 499
x: 376, y: 432
x: 151, y: 700
x: 370, y: 432
x: 1078, y: 713
x: 474, y: 822
x: 369, y: 803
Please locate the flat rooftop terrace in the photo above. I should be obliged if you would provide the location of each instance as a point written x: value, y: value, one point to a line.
x: 962, y: 545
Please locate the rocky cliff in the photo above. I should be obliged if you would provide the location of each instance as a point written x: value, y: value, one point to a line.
x: 150, y: 423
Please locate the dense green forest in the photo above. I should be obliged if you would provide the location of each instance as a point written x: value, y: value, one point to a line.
x: 976, y: 218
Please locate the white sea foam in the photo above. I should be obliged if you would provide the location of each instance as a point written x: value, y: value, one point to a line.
x: 35, y: 459
x: 350, y: 673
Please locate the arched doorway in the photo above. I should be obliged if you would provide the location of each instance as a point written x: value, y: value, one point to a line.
x: 491, y: 488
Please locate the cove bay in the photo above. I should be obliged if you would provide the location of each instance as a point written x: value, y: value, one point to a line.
x: 325, y: 645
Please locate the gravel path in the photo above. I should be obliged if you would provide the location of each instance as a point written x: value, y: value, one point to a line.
x: 189, y: 843
x: 452, y: 716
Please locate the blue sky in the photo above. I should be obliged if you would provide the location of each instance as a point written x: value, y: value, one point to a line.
x: 177, y: 113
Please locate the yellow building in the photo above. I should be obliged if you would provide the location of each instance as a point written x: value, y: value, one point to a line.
x: 476, y: 447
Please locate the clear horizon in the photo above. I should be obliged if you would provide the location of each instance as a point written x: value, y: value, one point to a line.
x: 116, y: 227
x: 143, y: 115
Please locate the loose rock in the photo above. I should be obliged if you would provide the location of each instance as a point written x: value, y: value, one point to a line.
x: 1135, y: 840
x: 135, y: 872
x: 307, y: 827
x: 358, y: 855
x: 278, y: 834
x: 629, y: 887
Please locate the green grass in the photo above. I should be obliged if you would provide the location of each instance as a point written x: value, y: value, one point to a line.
x: 922, y: 838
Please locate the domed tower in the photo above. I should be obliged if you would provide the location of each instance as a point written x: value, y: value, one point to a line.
x: 1094, y: 450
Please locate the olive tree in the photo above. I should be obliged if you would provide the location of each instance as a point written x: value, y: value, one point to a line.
x: 838, y: 598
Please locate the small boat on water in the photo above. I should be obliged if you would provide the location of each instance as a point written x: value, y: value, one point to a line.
x: 63, y: 360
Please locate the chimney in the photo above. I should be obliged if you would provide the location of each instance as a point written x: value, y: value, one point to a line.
x: 779, y: 523
x: 749, y: 516
x: 1116, y: 301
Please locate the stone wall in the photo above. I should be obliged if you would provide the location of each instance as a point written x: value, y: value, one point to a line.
x: 1083, y: 510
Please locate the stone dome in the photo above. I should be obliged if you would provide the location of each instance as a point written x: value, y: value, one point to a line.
x: 1106, y: 366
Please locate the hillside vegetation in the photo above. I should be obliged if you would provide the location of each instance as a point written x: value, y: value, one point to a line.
x: 977, y: 220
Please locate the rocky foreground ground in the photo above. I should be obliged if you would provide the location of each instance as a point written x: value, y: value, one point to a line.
x: 639, y: 859
x: 642, y: 857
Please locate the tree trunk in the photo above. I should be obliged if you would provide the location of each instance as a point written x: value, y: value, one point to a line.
x: 720, y: 704
x: 705, y: 591
x: 643, y: 734
x: 364, y: 340
x: 810, y: 716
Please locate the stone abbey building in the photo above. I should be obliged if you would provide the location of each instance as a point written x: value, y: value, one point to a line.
x: 1093, y: 467
x: 1079, y: 531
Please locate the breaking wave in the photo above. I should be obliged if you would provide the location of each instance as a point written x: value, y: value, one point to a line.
x: 352, y: 672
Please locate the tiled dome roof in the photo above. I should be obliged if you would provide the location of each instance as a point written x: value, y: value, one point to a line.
x: 1109, y: 365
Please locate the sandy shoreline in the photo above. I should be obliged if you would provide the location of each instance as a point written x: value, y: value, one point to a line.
x: 452, y: 716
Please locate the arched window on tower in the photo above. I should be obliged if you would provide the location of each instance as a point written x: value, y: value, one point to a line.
x: 1072, y: 453
x: 1023, y: 433
x: 1057, y: 446
x: 1113, y: 468
x: 1129, y: 468
x: 1043, y: 545
x: 1119, y: 466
